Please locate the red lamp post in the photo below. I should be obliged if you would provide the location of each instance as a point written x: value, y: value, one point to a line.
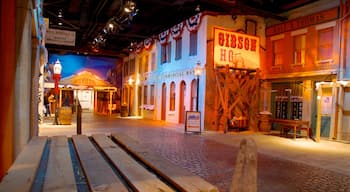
x: 57, y: 69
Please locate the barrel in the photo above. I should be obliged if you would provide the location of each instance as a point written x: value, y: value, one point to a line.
x: 65, y: 116
x: 265, y: 125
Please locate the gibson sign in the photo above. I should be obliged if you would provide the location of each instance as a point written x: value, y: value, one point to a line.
x: 236, y: 49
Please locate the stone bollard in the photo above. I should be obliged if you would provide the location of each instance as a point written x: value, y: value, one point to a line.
x: 245, y: 174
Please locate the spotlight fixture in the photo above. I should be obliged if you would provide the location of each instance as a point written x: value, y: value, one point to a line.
x: 60, y: 13
x: 198, y: 8
x: 110, y: 26
x: 129, y: 6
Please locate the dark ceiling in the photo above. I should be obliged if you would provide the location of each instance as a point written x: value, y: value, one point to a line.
x: 88, y: 18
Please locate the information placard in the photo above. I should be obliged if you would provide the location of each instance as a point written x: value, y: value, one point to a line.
x: 193, y: 121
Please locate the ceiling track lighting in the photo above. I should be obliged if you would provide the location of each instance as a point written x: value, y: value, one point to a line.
x: 115, y: 24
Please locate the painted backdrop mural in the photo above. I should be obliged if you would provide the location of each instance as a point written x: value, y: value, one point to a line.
x: 103, y: 67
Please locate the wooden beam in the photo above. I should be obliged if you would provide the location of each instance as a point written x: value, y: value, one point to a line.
x: 21, y: 175
x: 59, y: 174
x: 138, y: 176
x: 98, y: 173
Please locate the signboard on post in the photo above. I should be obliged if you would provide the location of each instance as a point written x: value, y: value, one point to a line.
x: 193, y: 121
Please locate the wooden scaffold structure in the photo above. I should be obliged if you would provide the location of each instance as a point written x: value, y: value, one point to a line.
x: 238, y: 98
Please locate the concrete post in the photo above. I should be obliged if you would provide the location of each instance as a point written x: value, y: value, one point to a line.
x: 245, y: 173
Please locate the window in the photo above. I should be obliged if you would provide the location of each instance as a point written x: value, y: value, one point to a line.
x: 165, y: 51
x: 325, y: 44
x: 193, y: 43
x: 140, y: 68
x: 277, y: 52
x: 125, y: 95
x: 172, y: 96
x: 132, y: 67
x: 299, y: 49
x: 146, y: 64
x: 145, y: 94
x: 152, y: 95
x: 178, y: 48
x: 126, y: 68
x: 250, y: 27
x: 153, y: 65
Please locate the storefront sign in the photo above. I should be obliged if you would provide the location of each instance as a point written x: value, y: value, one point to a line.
x: 176, y: 74
x: 60, y: 37
x: 193, y: 121
x: 237, y: 50
x: 301, y: 22
x: 326, y: 108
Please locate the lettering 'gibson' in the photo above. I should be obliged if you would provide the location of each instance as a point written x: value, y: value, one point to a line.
x: 236, y: 41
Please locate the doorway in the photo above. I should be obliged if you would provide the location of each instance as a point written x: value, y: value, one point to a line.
x: 163, y: 109
x: 182, y: 103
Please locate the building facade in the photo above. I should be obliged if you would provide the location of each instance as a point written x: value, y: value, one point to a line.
x: 159, y: 78
x: 306, y: 72
x: 303, y: 64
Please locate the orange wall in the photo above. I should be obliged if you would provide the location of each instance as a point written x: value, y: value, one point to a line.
x: 7, y: 73
x: 310, y: 64
x: 310, y: 54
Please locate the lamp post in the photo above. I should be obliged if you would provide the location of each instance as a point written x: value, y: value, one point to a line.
x: 57, y: 68
x: 197, y: 72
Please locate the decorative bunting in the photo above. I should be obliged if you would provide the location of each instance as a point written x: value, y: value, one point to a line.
x: 139, y: 47
x: 163, y: 37
x: 193, y: 22
x: 176, y: 31
x: 147, y: 43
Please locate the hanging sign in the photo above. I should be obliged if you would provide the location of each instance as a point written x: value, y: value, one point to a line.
x: 60, y: 37
x: 326, y: 106
x: 237, y: 50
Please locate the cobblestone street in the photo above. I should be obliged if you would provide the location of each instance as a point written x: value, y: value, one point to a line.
x: 214, y: 161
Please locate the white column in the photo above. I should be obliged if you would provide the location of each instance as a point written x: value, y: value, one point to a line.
x: 307, y: 100
x: 333, y: 122
x: 318, y: 124
x: 340, y: 109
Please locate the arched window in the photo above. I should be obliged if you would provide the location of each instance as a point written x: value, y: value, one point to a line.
x: 172, y: 96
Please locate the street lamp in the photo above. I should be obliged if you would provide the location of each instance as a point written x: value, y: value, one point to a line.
x: 57, y: 68
x: 197, y: 73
